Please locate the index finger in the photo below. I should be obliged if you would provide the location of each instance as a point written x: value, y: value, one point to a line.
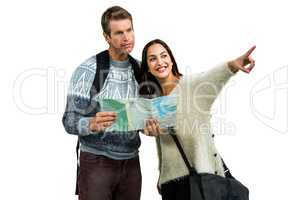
x: 106, y: 114
x: 250, y: 51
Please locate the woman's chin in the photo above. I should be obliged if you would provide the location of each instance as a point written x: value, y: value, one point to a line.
x: 161, y: 76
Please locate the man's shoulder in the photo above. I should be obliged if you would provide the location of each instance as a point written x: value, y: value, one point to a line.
x: 89, y: 64
x: 138, y: 61
x: 83, y: 77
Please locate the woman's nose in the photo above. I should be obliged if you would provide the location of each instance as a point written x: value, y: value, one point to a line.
x: 159, y: 61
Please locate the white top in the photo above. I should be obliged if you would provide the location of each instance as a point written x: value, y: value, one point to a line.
x: 195, y: 96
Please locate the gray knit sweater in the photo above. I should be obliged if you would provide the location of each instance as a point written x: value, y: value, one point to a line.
x: 119, y: 84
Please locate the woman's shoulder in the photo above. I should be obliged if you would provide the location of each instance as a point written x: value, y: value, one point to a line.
x: 191, y: 77
x: 210, y: 74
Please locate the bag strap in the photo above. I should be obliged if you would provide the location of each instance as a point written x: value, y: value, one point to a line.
x: 184, y: 157
x: 227, y: 172
x: 191, y: 169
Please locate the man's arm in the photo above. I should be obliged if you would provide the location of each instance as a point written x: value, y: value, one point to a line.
x: 77, y: 115
x: 81, y: 116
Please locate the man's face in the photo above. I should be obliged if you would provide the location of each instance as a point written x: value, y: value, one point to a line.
x: 121, y: 38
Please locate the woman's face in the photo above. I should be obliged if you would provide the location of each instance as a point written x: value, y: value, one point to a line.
x: 159, y: 62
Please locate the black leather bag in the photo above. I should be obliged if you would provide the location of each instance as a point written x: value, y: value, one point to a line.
x: 204, y: 186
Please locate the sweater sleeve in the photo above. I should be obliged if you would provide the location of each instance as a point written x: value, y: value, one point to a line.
x: 80, y: 106
x: 75, y: 120
x: 207, y: 86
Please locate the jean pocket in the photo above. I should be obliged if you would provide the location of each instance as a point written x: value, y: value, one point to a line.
x: 88, y: 158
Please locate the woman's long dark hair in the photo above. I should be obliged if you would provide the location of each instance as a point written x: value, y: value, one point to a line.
x: 149, y: 86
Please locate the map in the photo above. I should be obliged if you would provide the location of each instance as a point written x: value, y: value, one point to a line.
x: 133, y: 113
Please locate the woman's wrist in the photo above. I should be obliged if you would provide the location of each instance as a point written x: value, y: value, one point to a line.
x: 231, y: 67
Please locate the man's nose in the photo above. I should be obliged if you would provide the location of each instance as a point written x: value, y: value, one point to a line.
x: 126, y: 36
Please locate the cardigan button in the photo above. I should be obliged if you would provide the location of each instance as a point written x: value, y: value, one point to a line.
x: 215, y: 155
x: 216, y: 172
x: 213, y: 135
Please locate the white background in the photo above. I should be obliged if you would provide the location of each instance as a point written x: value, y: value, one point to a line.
x: 42, y: 42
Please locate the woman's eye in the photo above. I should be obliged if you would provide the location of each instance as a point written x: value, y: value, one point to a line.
x: 152, y: 59
x: 164, y: 56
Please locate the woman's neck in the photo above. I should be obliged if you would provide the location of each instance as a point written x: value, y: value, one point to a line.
x: 168, y: 85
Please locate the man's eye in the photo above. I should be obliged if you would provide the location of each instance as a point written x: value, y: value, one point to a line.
x: 118, y: 33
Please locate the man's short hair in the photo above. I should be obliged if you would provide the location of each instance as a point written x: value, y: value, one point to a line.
x: 113, y: 13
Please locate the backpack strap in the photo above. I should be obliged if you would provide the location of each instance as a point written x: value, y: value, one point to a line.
x: 102, y: 70
x: 77, y: 169
x: 136, y: 68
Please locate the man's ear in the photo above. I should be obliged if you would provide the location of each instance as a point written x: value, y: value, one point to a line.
x: 107, y: 37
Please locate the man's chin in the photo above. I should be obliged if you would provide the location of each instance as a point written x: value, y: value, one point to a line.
x: 125, y: 51
x: 128, y: 50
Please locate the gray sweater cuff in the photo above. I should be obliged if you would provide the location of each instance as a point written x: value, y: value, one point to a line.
x: 83, y: 126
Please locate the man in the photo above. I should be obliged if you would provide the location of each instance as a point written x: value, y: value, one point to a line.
x: 109, y: 163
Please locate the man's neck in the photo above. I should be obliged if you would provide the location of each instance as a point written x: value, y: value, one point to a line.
x: 118, y: 56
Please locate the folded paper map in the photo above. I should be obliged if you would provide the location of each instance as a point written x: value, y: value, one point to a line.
x: 133, y: 113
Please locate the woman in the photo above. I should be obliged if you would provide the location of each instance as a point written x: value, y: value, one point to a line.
x: 195, y: 95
